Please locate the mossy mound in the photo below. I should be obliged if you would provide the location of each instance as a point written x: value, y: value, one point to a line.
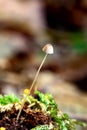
x: 40, y: 112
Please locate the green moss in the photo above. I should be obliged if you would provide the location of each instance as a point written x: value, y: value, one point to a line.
x: 7, y: 99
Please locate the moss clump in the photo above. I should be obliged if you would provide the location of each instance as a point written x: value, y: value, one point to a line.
x: 7, y: 99
x: 40, y: 112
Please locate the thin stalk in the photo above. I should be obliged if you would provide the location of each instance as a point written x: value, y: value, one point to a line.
x: 36, y: 76
x: 21, y: 108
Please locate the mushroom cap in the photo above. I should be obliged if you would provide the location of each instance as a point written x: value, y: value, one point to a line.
x: 48, y: 49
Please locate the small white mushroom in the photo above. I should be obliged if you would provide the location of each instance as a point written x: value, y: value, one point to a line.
x: 48, y: 48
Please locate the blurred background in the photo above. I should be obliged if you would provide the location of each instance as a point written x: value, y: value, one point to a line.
x: 25, y: 27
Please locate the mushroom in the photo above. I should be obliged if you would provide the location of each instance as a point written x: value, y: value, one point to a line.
x: 48, y: 49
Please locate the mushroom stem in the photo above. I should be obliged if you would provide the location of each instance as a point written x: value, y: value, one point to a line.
x: 36, y: 76
x: 21, y: 108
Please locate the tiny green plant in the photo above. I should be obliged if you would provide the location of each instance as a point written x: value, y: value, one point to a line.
x: 48, y: 49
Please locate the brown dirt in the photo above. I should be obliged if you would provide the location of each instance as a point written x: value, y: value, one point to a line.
x: 27, y: 120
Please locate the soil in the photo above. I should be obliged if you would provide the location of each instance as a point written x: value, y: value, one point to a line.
x: 28, y: 119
